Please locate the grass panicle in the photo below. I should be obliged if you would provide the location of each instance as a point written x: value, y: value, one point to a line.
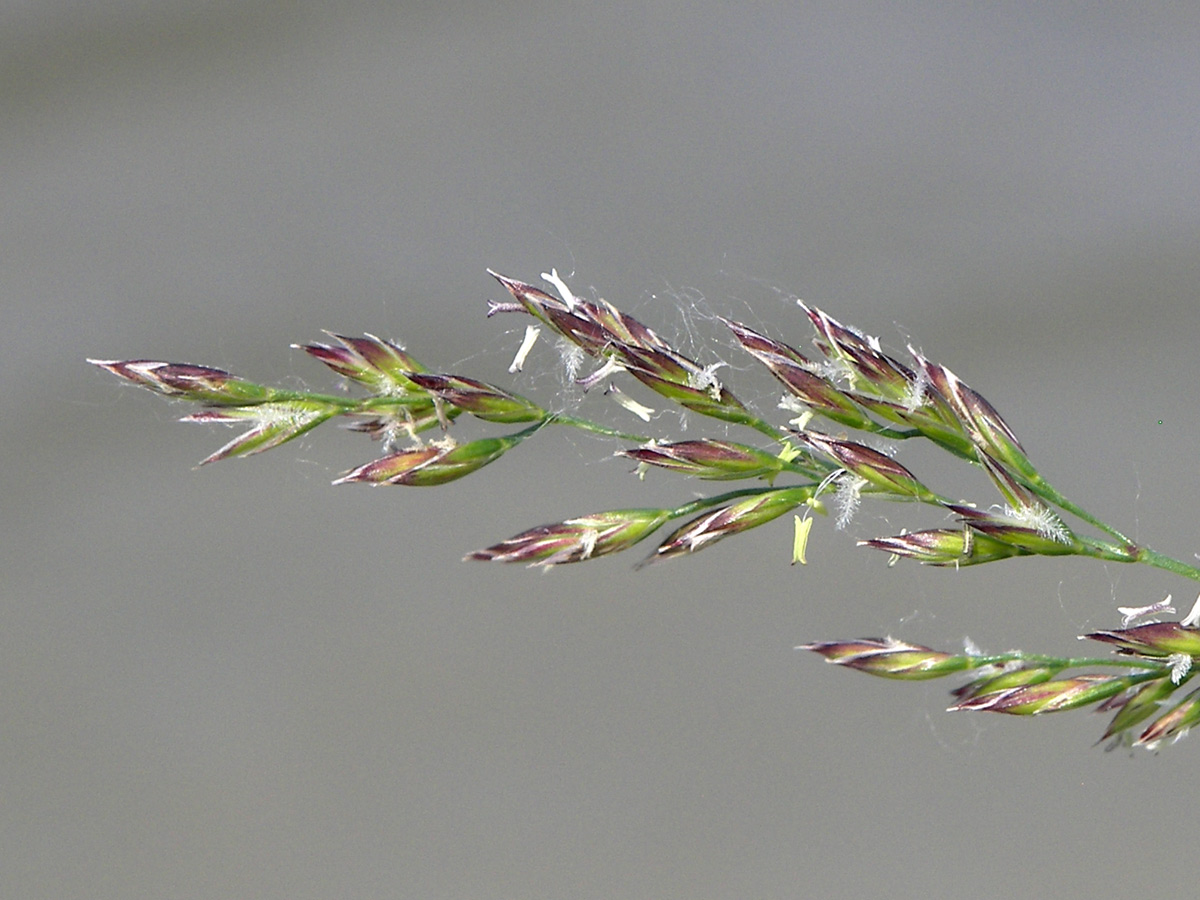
x: 854, y: 384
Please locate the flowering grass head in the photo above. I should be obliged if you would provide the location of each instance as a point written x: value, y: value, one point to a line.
x: 855, y: 385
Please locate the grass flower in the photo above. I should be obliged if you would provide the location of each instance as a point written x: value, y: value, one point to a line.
x: 889, y: 658
x: 873, y: 467
x: 271, y: 424
x: 380, y: 365
x: 711, y: 459
x: 432, y: 466
x: 577, y: 539
x: 946, y: 547
x: 1156, y: 639
x: 800, y: 377
x: 1048, y: 696
x: 737, y: 517
x: 200, y: 384
x: 484, y: 401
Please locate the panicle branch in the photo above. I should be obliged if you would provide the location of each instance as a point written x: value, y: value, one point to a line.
x: 1153, y: 662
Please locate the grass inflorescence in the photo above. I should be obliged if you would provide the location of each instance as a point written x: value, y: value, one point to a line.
x: 869, y: 401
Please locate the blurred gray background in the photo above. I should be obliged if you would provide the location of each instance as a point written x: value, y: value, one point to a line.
x: 240, y: 681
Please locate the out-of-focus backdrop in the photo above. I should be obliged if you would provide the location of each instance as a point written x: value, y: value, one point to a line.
x: 239, y: 681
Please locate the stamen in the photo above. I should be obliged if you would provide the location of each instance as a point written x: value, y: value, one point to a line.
x: 590, y: 381
x: 561, y: 286
x: 800, y: 541
x: 531, y: 336
x: 1133, y: 613
x: 1193, y: 618
x: 642, y: 412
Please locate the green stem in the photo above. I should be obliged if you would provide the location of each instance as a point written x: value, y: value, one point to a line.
x: 747, y: 418
x: 1162, y: 561
x: 1126, y: 550
x: 1132, y: 553
x: 764, y: 427
x: 595, y: 428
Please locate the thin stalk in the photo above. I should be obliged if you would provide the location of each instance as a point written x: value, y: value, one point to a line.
x: 1061, y: 663
x: 595, y: 428
x: 1170, y: 564
x: 747, y: 418
x: 1129, y: 552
